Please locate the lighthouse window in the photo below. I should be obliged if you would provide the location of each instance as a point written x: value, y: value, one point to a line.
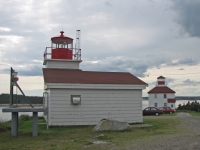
x: 75, y: 99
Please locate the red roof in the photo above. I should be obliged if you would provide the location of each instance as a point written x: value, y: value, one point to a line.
x: 89, y: 77
x: 160, y: 77
x: 161, y: 89
x: 62, y: 37
x: 171, y: 100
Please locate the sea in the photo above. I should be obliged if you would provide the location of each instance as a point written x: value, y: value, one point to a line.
x: 145, y: 103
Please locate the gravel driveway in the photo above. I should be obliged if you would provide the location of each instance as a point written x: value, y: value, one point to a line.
x: 183, y: 141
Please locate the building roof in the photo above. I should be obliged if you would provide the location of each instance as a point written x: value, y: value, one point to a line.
x: 160, y: 77
x: 161, y: 89
x: 171, y: 100
x: 89, y: 77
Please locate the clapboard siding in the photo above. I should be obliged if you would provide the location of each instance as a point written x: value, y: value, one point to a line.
x: 62, y: 64
x: 97, y: 112
x: 57, y: 109
x: 91, y: 121
x: 95, y: 104
x: 89, y: 116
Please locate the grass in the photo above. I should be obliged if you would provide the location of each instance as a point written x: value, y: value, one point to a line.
x: 168, y: 114
x: 4, y: 125
x: 81, y: 137
x: 192, y: 113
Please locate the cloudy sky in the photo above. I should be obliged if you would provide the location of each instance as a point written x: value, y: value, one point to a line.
x: 148, y: 38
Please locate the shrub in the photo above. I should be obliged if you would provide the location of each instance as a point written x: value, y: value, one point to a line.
x: 4, y: 126
x: 24, y: 118
x: 192, y: 106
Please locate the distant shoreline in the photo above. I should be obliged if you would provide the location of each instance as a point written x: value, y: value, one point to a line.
x: 180, y: 100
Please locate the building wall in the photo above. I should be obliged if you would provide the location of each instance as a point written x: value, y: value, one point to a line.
x: 160, y: 100
x: 95, y: 104
x: 62, y: 64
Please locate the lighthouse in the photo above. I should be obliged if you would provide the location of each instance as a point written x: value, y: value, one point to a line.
x: 161, y: 95
x: 61, y: 54
x: 76, y: 97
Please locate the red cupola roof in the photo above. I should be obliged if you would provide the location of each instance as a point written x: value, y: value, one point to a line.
x: 61, y: 37
x: 160, y: 77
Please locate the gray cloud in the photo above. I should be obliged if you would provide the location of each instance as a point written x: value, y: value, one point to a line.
x: 107, y: 3
x: 181, y: 69
x: 132, y: 41
x: 31, y: 70
x: 136, y: 66
x: 188, y: 16
x: 170, y: 80
x: 190, y: 61
x: 191, y: 82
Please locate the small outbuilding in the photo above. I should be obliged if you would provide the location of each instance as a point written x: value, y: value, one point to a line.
x: 76, y: 97
x: 161, y: 95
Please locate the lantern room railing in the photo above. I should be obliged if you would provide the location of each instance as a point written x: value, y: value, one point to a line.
x: 76, y: 53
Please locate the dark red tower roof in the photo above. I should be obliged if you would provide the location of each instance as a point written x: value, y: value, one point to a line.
x: 62, y: 37
x: 160, y: 77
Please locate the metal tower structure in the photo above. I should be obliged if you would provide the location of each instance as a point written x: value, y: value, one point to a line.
x: 77, y: 55
x: 13, y: 82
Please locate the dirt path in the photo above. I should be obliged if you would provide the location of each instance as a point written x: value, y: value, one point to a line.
x: 185, y: 141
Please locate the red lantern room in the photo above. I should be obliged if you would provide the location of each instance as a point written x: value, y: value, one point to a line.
x: 161, y: 81
x: 62, y: 47
x: 62, y: 54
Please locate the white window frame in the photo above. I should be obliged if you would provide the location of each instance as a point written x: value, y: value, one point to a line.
x: 165, y: 95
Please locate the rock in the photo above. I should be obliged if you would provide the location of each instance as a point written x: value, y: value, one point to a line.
x: 100, y: 142
x: 112, y: 124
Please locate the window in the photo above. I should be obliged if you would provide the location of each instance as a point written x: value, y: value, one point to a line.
x: 155, y: 104
x: 153, y: 108
x: 75, y: 99
x: 172, y: 105
x: 155, y: 95
x: 165, y: 95
x: 165, y: 104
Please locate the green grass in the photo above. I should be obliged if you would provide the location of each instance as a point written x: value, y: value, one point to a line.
x: 81, y: 137
x: 168, y: 114
x: 4, y: 125
x: 192, y: 113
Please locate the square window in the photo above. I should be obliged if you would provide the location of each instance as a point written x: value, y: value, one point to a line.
x: 75, y: 99
x: 165, y: 104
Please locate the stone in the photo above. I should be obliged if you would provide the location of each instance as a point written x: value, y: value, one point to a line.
x: 100, y: 142
x: 106, y: 124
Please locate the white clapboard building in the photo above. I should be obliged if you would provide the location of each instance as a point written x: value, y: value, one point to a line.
x: 161, y: 95
x: 76, y: 97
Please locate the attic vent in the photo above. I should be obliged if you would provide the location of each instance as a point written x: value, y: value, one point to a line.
x: 75, y: 99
